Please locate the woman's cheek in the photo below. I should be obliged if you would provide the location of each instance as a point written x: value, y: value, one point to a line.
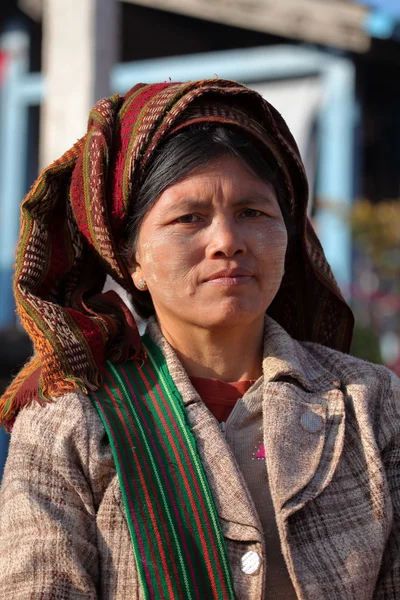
x: 166, y: 267
x: 270, y: 249
x: 271, y: 241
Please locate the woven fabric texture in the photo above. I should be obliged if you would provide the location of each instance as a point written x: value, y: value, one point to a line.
x: 74, y: 219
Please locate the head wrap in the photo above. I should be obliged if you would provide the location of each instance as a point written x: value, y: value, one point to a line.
x: 74, y: 219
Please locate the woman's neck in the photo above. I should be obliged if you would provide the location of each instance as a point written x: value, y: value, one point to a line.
x: 233, y: 354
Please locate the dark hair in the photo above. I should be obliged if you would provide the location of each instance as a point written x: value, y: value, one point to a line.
x: 183, y: 153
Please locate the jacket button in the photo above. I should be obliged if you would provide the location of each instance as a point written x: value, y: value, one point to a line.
x: 251, y: 562
x: 311, y: 421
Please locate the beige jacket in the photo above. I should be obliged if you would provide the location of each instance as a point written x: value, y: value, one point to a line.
x: 332, y: 443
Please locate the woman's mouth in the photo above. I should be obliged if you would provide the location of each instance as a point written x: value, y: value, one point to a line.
x: 228, y: 277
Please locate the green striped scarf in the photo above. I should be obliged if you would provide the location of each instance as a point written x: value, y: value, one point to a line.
x: 176, y: 536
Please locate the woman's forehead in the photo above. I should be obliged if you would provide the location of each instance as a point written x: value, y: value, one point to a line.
x: 223, y: 175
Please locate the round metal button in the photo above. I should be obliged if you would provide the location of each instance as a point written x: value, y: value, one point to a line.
x: 311, y: 421
x: 251, y: 562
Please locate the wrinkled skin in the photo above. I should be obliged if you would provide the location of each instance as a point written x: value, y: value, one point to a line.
x: 219, y: 217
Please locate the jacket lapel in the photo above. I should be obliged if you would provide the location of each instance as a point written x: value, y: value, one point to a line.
x: 303, y: 438
x: 303, y: 422
x: 231, y: 496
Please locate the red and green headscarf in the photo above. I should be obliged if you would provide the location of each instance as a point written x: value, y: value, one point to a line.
x: 74, y: 219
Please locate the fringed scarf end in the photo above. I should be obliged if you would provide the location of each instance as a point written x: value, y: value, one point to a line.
x: 22, y: 391
x: 29, y: 386
x: 70, y: 384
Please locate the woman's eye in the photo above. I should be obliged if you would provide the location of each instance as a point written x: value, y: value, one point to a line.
x: 191, y: 218
x: 251, y: 213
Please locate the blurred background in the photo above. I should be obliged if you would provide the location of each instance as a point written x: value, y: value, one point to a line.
x: 331, y: 67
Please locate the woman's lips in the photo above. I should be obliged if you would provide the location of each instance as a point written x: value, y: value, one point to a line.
x: 230, y: 277
x: 237, y: 280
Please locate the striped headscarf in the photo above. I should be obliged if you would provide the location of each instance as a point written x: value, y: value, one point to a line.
x: 74, y: 220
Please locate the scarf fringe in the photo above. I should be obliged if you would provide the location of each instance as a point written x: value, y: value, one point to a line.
x: 28, y: 387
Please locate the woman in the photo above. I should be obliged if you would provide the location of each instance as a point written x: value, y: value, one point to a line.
x: 231, y: 452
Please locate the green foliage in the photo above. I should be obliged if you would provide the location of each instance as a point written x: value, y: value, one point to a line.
x: 376, y: 235
x: 376, y: 230
x: 366, y: 344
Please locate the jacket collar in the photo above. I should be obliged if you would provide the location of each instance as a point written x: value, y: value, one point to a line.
x: 288, y: 359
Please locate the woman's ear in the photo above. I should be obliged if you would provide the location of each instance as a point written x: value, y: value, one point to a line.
x: 137, y: 277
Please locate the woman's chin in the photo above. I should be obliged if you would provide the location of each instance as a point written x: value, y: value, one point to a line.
x: 229, y: 315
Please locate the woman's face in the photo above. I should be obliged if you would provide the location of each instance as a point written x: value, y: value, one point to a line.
x: 212, y: 248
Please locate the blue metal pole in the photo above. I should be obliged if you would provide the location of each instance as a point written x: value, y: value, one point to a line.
x: 13, y: 127
x: 335, y: 180
x: 247, y: 65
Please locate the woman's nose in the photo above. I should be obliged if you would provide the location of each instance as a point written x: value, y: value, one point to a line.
x: 225, y: 239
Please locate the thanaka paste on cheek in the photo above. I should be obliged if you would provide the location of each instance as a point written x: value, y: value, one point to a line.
x: 163, y: 270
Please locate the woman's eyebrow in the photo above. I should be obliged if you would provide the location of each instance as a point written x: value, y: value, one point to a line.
x: 190, y: 204
x: 255, y: 199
